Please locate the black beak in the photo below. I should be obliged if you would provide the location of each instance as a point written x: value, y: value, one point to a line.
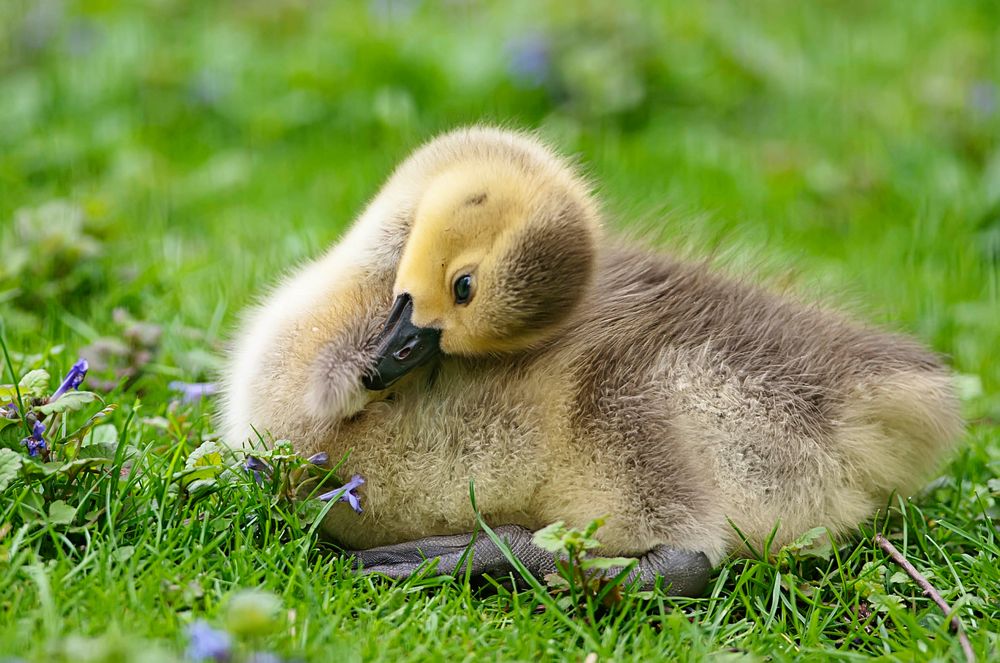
x: 402, y: 346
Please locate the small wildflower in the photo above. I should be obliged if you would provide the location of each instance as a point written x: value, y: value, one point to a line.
x: 73, y: 379
x: 255, y: 464
x: 346, y: 493
x: 208, y: 644
x: 36, y: 443
x: 8, y: 411
x: 319, y: 459
x: 193, y: 391
x: 257, y: 467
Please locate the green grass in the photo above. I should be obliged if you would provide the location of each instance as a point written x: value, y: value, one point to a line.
x: 849, y: 149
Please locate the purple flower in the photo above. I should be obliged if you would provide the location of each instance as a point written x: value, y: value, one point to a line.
x: 346, y: 493
x: 73, y: 379
x: 207, y: 644
x: 9, y: 411
x: 255, y: 464
x: 257, y: 467
x: 193, y: 391
x: 320, y: 458
x: 36, y: 443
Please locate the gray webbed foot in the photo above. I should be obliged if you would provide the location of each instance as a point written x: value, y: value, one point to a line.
x: 450, y: 554
x: 684, y: 573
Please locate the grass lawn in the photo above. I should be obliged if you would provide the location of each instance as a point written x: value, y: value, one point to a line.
x: 161, y: 162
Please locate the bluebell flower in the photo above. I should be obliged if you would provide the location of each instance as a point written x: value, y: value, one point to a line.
x: 320, y: 458
x: 36, y: 443
x: 208, y: 644
x: 346, y: 493
x: 73, y: 379
x: 193, y: 391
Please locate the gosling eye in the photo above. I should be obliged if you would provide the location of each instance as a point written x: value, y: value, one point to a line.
x: 463, y: 289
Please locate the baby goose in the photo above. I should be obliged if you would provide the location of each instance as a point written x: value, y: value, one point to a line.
x: 474, y: 324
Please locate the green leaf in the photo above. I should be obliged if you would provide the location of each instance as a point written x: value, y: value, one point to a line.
x: 74, y: 467
x: 7, y: 394
x: 550, y: 538
x: 33, y: 469
x: 34, y: 383
x: 201, y: 488
x: 81, y: 432
x: 607, y: 562
x: 10, y: 464
x: 4, y: 422
x: 885, y: 603
x: 100, y: 451
x: 899, y: 577
x: 592, y: 528
x: 61, y: 513
x: 123, y: 553
x: 556, y: 581
x: 105, y: 435
x: 102, y: 442
x: 813, y: 543
x: 283, y: 450
x: 204, y: 464
x: 209, y: 454
x: 71, y: 401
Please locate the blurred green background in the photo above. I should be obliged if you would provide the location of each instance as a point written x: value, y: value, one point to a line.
x: 201, y: 148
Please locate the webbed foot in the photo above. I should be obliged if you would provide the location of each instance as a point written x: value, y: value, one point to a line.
x: 684, y: 573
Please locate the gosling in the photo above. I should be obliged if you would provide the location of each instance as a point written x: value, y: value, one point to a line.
x: 475, y: 324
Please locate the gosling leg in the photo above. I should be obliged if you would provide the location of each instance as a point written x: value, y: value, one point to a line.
x: 684, y: 573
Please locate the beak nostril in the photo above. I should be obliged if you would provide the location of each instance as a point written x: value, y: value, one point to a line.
x: 411, y: 344
x: 401, y: 347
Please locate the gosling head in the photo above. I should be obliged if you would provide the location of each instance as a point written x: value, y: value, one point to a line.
x: 501, y: 250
